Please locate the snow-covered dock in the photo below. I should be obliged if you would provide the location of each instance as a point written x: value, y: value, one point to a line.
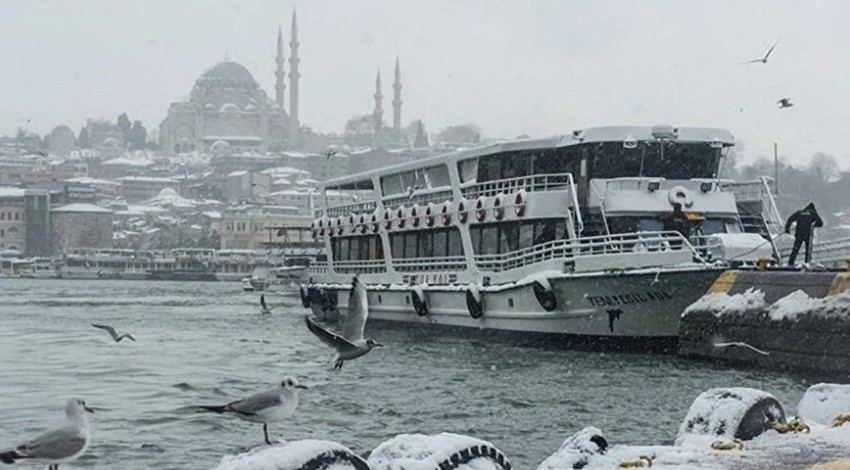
x: 725, y: 429
x: 792, y: 320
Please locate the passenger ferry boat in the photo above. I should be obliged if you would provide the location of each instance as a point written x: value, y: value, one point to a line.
x: 560, y: 238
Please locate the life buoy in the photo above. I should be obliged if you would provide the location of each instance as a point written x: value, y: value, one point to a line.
x: 339, y: 223
x: 351, y: 220
x: 414, y: 216
x: 462, y: 213
x: 446, y: 214
x: 498, y: 208
x: 363, y: 226
x: 680, y: 195
x: 400, y: 216
x: 473, y: 302
x: 519, y: 203
x: 544, y: 294
x: 420, y: 303
x: 375, y: 224
x: 388, y: 221
x: 480, y: 211
x: 429, y: 215
x: 305, y: 296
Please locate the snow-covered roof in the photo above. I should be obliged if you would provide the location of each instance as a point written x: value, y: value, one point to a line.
x: 238, y: 173
x: 11, y: 192
x: 284, y: 170
x: 129, y: 161
x: 80, y: 207
x: 90, y: 180
x: 147, y: 179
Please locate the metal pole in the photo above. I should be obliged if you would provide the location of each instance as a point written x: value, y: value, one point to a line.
x: 776, y: 167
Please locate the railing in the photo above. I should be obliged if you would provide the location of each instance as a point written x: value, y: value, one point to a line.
x: 832, y: 253
x: 545, y: 182
x: 360, y: 267
x: 318, y: 267
x: 628, y: 243
x: 443, y: 264
x: 360, y: 207
x: 758, y: 191
x: 437, y: 197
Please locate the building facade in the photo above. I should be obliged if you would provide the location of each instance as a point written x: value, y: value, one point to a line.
x: 25, y: 221
x: 246, y: 227
x: 80, y: 226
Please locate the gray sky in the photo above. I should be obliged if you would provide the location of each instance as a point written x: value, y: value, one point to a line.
x: 511, y: 67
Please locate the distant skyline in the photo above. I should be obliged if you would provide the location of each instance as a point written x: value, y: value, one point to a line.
x: 510, y: 67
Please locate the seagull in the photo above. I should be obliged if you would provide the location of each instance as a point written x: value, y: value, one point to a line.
x: 267, y: 407
x: 350, y: 344
x: 62, y: 445
x: 785, y: 103
x: 113, y: 333
x: 742, y: 345
x: 330, y: 153
x: 263, y: 307
x: 763, y: 60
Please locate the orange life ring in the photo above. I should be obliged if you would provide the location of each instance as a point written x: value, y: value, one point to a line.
x: 462, y: 213
x: 519, y: 203
x: 400, y: 216
x: 498, y: 208
x: 480, y: 211
x: 445, y: 214
x: 414, y: 216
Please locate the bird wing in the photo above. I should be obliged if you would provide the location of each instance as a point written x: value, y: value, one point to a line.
x: 107, y: 328
x: 57, y: 444
x: 754, y: 61
x: 256, y: 403
x: 770, y: 50
x: 333, y: 340
x: 358, y: 312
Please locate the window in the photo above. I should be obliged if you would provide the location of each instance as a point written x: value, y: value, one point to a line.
x: 410, y: 250
x: 506, y: 237
x: 17, y: 216
x: 436, y: 243
x: 468, y: 170
x: 2, y: 216
x: 454, y: 242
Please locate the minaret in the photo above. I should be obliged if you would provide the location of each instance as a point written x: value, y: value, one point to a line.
x: 397, y: 98
x: 294, y: 126
x: 378, y: 114
x: 280, y: 73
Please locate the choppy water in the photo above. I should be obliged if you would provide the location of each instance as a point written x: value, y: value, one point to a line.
x: 205, y: 343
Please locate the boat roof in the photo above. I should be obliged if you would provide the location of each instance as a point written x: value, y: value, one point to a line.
x: 576, y: 137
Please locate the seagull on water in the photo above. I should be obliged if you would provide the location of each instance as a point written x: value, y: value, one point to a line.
x: 114, y: 333
x: 61, y: 445
x: 785, y: 103
x: 350, y: 344
x: 741, y: 345
x: 267, y: 407
x: 763, y: 60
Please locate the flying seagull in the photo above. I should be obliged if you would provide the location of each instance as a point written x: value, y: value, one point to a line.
x: 113, y: 333
x: 785, y: 103
x: 741, y: 345
x: 330, y: 153
x: 267, y: 407
x: 61, y: 445
x: 763, y: 60
x: 350, y: 344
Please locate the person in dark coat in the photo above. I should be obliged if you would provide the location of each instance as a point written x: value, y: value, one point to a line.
x: 806, y: 219
x: 677, y: 221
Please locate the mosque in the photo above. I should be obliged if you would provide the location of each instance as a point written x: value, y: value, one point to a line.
x: 228, y: 110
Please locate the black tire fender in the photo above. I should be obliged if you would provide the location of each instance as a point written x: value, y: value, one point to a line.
x: 474, y: 303
x: 420, y: 302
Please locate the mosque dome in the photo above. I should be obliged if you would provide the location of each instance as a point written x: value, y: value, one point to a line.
x: 167, y: 193
x: 228, y: 107
x: 111, y: 142
x: 62, y: 129
x: 220, y: 145
x: 230, y: 71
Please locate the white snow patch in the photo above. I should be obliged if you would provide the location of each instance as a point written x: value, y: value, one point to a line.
x: 291, y: 455
x: 423, y: 452
x: 724, y: 304
x: 578, y: 448
x: 822, y: 402
x: 798, y: 303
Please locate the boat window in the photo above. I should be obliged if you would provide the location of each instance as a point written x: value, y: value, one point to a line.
x: 454, y: 243
x: 651, y: 224
x: 671, y: 160
x: 489, y: 240
x: 526, y: 235
x: 410, y: 248
x: 468, y: 170
x: 437, y: 176
x: 426, y: 244
x: 355, y: 248
x: 508, y: 237
x: 397, y: 245
x: 441, y: 248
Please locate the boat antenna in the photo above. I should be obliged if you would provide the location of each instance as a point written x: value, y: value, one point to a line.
x: 642, y: 156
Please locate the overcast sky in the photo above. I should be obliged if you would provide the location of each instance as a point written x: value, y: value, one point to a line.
x: 511, y: 67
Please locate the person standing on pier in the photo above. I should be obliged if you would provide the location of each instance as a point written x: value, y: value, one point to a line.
x: 807, y: 220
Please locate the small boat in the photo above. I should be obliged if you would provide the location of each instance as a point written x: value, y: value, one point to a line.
x: 246, y: 285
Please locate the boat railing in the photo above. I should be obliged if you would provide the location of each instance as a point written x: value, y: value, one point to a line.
x: 345, y: 209
x: 760, y: 191
x: 615, y: 244
x: 318, y: 267
x: 441, y: 264
x: 832, y: 254
x: 423, y: 198
x: 360, y: 267
x: 541, y: 182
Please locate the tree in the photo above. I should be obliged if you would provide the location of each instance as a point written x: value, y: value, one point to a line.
x: 125, y: 126
x: 137, y: 137
x: 360, y: 125
x: 83, y: 139
x: 824, y: 166
x: 462, y: 134
x: 421, y: 138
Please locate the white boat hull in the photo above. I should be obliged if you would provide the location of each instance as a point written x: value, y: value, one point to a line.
x: 643, y: 305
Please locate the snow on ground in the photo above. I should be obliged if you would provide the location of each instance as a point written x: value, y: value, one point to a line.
x: 286, y: 456
x: 798, y: 303
x: 717, y: 412
x: 822, y: 402
x: 725, y: 304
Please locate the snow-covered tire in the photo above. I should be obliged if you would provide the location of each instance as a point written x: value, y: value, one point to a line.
x: 731, y: 413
